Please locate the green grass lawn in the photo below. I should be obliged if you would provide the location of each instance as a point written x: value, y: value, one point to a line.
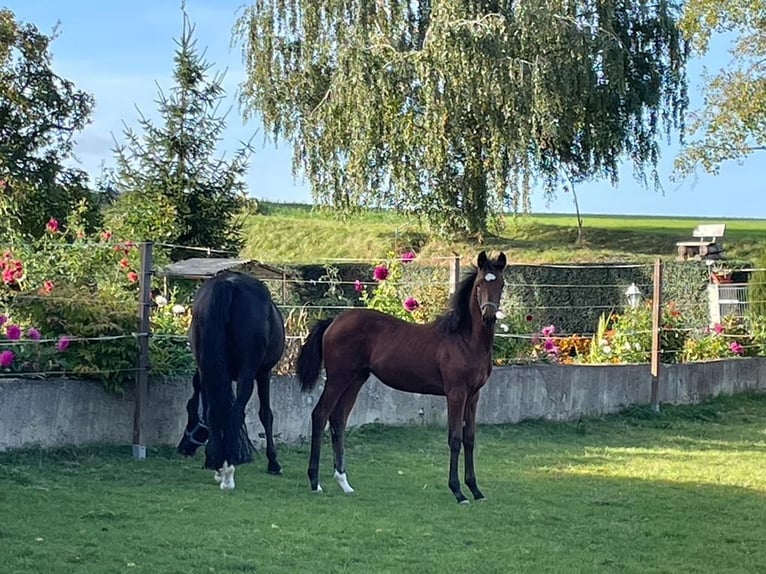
x: 681, y: 492
x: 293, y: 233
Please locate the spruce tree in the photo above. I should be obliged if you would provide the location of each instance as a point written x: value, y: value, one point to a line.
x: 191, y: 196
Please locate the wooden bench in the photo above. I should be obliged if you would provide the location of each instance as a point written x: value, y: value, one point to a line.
x: 706, y: 245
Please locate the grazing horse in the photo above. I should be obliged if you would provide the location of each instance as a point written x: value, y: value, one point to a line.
x: 237, y: 334
x: 452, y: 357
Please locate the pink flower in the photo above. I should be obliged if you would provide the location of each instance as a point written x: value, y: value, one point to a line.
x: 33, y: 334
x: 47, y: 286
x: 3, y: 320
x: 718, y: 328
x: 548, y: 331
x: 52, y: 226
x: 550, y: 346
x: 736, y: 348
x: 124, y: 263
x: 380, y: 273
x: 6, y: 359
x: 106, y: 235
x: 410, y: 303
x: 408, y: 257
x: 132, y: 276
x: 13, y: 332
x: 63, y: 343
x: 358, y: 287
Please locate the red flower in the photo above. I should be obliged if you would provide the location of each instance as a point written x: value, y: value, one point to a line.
x: 52, y: 226
x: 410, y: 303
x: 106, y: 235
x: 528, y: 318
x: 47, y: 286
x: 380, y: 273
x: 63, y: 343
x: 132, y: 276
x: 13, y: 332
x: 408, y: 257
x: 124, y: 263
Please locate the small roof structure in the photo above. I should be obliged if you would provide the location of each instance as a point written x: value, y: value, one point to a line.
x: 206, y: 267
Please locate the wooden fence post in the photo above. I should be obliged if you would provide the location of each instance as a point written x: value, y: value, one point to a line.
x: 656, y: 331
x: 144, y: 328
x: 454, y: 273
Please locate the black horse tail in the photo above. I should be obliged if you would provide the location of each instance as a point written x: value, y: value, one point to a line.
x: 209, y: 327
x: 310, y: 358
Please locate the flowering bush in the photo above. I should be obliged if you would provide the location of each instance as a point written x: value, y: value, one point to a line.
x: 544, y: 345
x: 627, y: 338
x: 386, y: 293
x: 734, y: 337
x: 573, y: 349
x: 513, y: 330
x: 80, y: 290
x: 169, y: 348
x: 25, y: 351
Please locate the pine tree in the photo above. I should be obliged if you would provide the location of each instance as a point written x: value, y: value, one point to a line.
x: 190, y: 196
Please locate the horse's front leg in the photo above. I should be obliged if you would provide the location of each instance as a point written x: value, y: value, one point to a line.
x: 267, y: 420
x: 469, y: 441
x: 455, y: 410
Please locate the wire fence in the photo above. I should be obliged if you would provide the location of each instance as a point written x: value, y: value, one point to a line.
x: 542, y: 320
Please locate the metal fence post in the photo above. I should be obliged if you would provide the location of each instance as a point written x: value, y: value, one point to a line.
x: 656, y: 339
x: 454, y: 273
x: 142, y: 336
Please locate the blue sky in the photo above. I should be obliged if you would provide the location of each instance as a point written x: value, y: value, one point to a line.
x: 121, y: 51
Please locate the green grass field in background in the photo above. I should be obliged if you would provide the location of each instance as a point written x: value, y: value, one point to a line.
x: 294, y: 233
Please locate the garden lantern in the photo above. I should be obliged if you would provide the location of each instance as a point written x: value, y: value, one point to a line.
x: 634, y: 295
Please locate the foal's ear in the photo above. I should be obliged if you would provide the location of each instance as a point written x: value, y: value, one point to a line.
x: 500, y: 262
x: 482, y: 261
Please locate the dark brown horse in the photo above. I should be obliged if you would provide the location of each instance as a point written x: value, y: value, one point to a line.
x: 451, y: 357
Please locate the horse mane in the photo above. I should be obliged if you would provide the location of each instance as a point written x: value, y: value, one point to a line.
x: 458, y: 318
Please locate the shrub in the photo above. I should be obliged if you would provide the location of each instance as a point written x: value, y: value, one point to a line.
x: 733, y: 337
x: 757, y: 287
x: 386, y: 294
x: 513, y: 332
x: 627, y: 338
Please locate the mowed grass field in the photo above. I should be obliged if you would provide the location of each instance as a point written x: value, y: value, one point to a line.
x: 295, y: 233
x: 684, y: 491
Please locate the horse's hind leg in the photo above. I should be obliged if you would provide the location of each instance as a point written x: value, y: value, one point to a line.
x: 320, y: 414
x: 267, y: 420
x: 469, y: 440
x: 240, y: 448
x: 338, y: 419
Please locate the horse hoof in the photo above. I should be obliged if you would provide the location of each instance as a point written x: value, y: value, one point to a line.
x: 275, y: 470
x: 225, y: 476
x: 317, y: 489
x: 342, y: 480
x: 464, y: 501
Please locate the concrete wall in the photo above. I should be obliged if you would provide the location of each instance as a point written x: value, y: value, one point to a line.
x: 61, y: 412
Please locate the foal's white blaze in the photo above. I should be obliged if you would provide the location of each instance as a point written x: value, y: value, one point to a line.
x: 343, y: 481
x: 490, y: 277
x: 225, y: 476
